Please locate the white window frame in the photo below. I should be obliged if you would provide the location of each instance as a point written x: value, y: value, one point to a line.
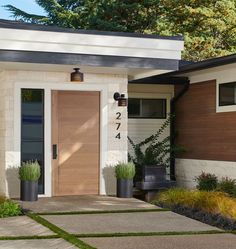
x: 167, y: 97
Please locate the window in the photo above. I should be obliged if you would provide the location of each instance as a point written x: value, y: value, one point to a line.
x: 32, y: 129
x: 147, y: 108
x: 227, y: 94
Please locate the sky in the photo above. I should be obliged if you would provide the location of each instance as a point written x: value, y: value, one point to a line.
x: 26, y: 5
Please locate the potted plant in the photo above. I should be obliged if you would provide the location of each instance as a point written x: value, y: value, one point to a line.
x: 152, y: 155
x: 29, y: 173
x: 125, y: 173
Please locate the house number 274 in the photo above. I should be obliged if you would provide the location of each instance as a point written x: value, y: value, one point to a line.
x: 118, y: 124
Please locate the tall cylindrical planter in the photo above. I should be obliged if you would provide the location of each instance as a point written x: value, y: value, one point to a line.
x: 125, y: 188
x: 29, y: 191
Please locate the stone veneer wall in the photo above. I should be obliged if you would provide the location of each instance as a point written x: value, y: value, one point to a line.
x: 117, y: 149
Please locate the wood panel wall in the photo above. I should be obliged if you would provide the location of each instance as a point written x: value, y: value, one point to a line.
x: 205, y: 134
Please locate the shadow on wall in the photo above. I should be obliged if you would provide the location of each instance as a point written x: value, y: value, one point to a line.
x: 2, y: 183
x: 13, y: 182
x: 110, y: 180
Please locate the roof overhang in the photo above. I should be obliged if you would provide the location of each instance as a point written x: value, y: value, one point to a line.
x: 24, y: 43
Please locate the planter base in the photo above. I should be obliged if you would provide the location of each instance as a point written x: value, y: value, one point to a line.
x: 124, y: 188
x: 29, y: 191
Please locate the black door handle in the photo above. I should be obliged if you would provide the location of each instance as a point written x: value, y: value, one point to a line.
x: 54, y: 151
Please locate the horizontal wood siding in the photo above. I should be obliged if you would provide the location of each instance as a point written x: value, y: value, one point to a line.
x: 205, y: 134
x: 140, y: 129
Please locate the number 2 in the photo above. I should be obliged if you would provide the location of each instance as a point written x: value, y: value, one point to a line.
x: 118, y: 116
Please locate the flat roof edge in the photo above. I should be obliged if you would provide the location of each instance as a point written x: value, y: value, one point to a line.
x: 86, y: 59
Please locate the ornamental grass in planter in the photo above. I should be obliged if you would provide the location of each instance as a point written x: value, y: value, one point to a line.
x: 125, y: 173
x: 29, y: 173
x: 211, y: 202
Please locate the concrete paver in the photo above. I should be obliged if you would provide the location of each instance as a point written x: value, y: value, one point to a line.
x: 83, y: 203
x: 39, y: 244
x: 127, y: 222
x: 22, y: 226
x: 218, y: 241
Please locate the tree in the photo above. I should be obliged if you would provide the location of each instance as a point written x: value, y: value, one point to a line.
x: 208, y: 26
x: 111, y: 15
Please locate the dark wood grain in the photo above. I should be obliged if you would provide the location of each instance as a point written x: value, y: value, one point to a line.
x: 205, y: 134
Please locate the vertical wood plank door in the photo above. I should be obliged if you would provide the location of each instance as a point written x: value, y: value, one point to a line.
x: 75, y: 132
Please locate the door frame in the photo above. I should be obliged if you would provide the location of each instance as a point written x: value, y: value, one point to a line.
x: 48, y: 87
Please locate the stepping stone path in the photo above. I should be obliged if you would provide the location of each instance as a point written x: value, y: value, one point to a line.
x: 107, y: 223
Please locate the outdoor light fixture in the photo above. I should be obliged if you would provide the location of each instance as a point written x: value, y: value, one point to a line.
x: 122, y: 101
x: 77, y: 75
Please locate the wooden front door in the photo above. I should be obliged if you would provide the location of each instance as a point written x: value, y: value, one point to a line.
x: 75, y: 142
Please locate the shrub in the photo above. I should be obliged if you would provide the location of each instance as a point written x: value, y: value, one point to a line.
x: 206, y: 181
x: 228, y: 186
x: 208, y: 201
x: 8, y: 208
x: 29, y: 171
x: 125, y: 171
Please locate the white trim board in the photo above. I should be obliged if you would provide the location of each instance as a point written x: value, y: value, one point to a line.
x: 48, y: 87
x: 34, y: 40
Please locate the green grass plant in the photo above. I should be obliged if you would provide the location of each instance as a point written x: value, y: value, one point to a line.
x: 227, y: 185
x: 208, y: 201
x: 29, y: 171
x: 125, y: 171
x: 206, y: 181
x: 9, y: 208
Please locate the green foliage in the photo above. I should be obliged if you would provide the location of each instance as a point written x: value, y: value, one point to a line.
x: 29, y: 171
x: 153, y: 150
x: 8, y: 208
x: 227, y: 185
x: 206, y: 181
x: 207, y: 201
x: 125, y: 170
x: 207, y: 26
x: 111, y: 15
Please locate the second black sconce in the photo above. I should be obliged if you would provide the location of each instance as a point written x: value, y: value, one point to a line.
x: 122, y: 101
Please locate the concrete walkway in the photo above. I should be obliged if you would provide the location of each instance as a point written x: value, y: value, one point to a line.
x: 219, y: 241
x: 147, y: 220
x: 22, y: 226
x: 36, y: 244
x: 127, y: 223
x: 83, y: 203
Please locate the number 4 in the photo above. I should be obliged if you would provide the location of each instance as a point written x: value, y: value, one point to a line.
x: 118, y: 135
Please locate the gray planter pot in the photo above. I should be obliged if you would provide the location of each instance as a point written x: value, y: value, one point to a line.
x: 156, y: 173
x: 125, y: 188
x: 29, y: 191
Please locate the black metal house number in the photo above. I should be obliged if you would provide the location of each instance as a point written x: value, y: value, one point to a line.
x: 118, y: 123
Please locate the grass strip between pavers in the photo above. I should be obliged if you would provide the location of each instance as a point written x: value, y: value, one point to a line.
x: 106, y: 211
x: 62, y: 233
x: 140, y: 234
x: 30, y: 237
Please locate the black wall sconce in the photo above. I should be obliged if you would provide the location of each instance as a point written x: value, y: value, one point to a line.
x: 77, y: 76
x: 122, y: 101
